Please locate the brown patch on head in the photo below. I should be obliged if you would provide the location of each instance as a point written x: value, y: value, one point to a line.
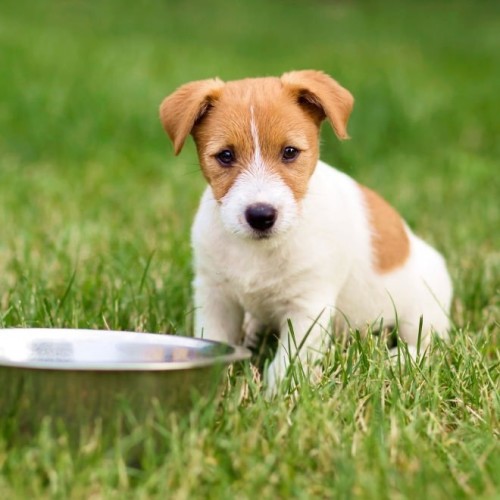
x: 325, y: 97
x: 278, y: 121
x: 286, y: 111
x: 390, y: 242
x: 180, y: 111
x: 227, y: 126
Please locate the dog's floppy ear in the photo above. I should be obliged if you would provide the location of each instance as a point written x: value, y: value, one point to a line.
x: 180, y: 111
x: 323, y: 96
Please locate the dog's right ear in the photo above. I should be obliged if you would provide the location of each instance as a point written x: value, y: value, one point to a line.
x: 180, y: 111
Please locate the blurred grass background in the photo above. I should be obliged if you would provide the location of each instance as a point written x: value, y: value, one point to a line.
x: 94, y: 208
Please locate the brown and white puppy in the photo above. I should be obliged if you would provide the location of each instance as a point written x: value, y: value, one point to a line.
x: 280, y: 236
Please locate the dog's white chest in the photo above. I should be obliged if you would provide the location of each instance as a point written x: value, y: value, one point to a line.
x: 262, y: 282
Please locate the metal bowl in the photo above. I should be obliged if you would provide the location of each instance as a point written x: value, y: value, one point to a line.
x: 78, y: 378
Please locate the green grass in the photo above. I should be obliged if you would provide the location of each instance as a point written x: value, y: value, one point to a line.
x: 94, y: 232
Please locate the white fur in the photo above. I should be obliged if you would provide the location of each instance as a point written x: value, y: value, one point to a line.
x: 317, y: 266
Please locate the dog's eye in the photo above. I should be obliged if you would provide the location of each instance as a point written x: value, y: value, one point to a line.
x: 225, y: 157
x: 289, y: 154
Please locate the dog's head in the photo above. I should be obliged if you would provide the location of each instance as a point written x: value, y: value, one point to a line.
x: 257, y: 141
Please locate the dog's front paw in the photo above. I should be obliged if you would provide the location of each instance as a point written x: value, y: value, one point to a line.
x: 307, y: 372
x: 396, y: 353
x: 275, y: 374
x: 251, y: 330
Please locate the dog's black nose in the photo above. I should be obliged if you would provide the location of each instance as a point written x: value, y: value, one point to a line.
x: 261, y: 216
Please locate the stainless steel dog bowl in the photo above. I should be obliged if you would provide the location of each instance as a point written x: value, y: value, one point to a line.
x: 79, y: 377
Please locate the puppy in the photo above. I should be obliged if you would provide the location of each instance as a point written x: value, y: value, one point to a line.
x: 281, y: 238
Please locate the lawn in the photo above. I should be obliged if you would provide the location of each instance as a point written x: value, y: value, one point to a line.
x: 95, y: 214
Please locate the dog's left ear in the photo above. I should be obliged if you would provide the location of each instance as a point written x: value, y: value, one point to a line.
x: 323, y: 96
x: 180, y: 111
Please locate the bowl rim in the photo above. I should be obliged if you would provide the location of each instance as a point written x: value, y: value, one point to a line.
x: 237, y: 353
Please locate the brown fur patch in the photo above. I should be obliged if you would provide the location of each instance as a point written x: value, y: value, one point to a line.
x: 287, y: 111
x: 280, y: 122
x: 180, y: 110
x: 324, y: 95
x: 390, y: 242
